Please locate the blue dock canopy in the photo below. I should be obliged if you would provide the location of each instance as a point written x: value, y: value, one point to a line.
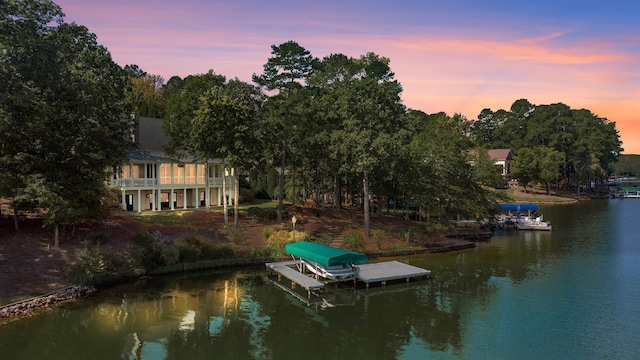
x: 325, y: 255
x: 518, y: 207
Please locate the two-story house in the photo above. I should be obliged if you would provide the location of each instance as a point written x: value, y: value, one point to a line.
x: 153, y: 181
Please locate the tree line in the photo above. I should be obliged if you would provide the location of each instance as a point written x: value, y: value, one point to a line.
x: 553, y: 144
x: 331, y: 129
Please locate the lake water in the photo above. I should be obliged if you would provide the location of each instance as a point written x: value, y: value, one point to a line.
x: 573, y: 293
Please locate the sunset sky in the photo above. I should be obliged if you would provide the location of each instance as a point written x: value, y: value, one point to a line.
x: 456, y: 56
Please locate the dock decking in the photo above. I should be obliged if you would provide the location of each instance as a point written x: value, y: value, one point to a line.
x: 284, y: 268
x: 367, y: 273
x: 388, y: 270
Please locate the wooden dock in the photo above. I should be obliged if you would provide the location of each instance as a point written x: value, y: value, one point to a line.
x: 388, y: 270
x: 368, y: 273
x: 285, y: 268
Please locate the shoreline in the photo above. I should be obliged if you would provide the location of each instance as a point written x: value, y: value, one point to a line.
x: 38, y: 304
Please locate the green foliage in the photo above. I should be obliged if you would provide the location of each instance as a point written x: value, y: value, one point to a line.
x: 426, y: 232
x: 487, y: 173
x: 89, y: 266
x: 540, y: 164
x: 281, y: 238
x: 235, y: 234
x: 378, y: 237
x: 162, y: 218
x: 267, y: 232
x: 586, y: 144
x: 92, y: 267
x: 193, y: 249
x: 55, y: 75
x: 151, y: 253
x: 268, y: 251
x: 260, y: 213
x: 405, y: 235
x: 246, y: 195
x: 353, y: 240
x: 627, y: 165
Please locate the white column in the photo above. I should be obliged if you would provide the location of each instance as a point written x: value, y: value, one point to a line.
x: 184, y: 197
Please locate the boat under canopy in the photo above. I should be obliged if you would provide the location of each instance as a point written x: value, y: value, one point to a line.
x: 325, y: 255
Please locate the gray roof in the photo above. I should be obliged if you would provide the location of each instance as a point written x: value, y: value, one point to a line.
x: 150, y: 133
x: 150, y: 141
x: 139, y: 154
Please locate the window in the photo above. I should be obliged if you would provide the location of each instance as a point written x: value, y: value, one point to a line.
x: 138, y: 171
x: 178, y: 174
x: 165, y: 173
x: 190, y: 170
x: 202, y: 171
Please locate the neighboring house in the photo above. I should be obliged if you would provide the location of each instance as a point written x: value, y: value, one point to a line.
x: 152, y: 181
x: 503, y: 158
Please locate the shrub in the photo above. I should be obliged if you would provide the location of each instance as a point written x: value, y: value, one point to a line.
x: 281, y: 238
x: 353, y: 241
x: 91, y: 268
x: 235, y: 234
x: 378, y: 236
x: 149, y: 252
x: 262, y: 194
x: 267, y: 251
x: 259, y: 213
x: 405, y: 235
x: 192, y: 248
x: 246, y: 196
x: 267, y: 232
x: 222, y: 252
x: 434, y: 228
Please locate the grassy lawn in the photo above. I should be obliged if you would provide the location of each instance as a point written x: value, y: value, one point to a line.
x: 161, y: 218
x: 533, y: 195
x: 177, y: 217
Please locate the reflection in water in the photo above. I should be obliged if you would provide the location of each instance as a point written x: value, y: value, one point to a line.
x: 570, y: 293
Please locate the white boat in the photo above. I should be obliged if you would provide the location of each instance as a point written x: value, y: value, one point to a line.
x: 529, y: 223
x: 340, y: 272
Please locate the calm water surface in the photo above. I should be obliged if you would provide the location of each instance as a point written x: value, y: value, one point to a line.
x: 570, y: 294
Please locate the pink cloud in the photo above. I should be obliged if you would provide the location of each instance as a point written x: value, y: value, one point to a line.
x: 451, y: 69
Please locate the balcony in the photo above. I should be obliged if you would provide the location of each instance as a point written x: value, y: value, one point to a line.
x: 137, y: 183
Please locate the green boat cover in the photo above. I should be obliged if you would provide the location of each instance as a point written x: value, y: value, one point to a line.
x: 325, y: 255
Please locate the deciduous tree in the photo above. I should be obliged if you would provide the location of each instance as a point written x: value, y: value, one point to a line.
x: 61, y: 107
